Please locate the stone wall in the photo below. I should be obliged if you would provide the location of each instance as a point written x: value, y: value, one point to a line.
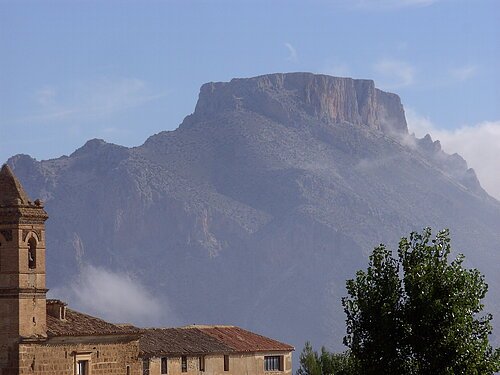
x: 59, y: 359
x: 22, y: 289
x: 214, y: 365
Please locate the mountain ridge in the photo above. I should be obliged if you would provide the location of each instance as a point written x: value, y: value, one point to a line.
x: 282, y: 95
x: 261, y: 206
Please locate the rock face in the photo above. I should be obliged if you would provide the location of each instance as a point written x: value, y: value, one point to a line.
x: 262, y: 203
x: 292, y: 98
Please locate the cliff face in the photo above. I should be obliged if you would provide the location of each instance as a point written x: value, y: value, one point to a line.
x: 294, y: 97
x: 262, y: 203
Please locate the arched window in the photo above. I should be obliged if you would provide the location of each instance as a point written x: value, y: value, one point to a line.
x: 31, y: 253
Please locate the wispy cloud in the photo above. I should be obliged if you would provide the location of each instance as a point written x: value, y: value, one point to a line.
x: 88, y: 99
x: 463, y: 73
x: 292, y: 53
x: 478, y: 144
x: 115, y: 297
x: 393, y: 74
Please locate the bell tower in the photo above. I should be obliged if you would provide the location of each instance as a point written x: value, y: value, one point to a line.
x: 22, y: 269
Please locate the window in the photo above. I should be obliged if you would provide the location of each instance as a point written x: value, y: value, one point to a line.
x: 184, y: 364
x: 226, y: 363
x: 62, y: 314
x: 164, y: 368
x: 273, y: 363
x: 128, y: 370
x: 82, y: 363
x: 202, y: 363
x: 31, y: 253
x: 145, y: 367
x: 82, y: 368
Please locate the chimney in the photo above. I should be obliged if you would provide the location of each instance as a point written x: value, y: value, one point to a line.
x: 56, y: 308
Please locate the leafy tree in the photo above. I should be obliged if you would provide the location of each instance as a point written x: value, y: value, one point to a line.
x: 336, y: 363
x: 374, y: 319
x: 309, y: 361
x: 325, y: 363
x: 419, y: 313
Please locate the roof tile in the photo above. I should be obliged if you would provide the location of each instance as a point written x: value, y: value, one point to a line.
x: 78, y: 324
x: 241, y: 340
x: 180, y: 341
x: 205, y: 340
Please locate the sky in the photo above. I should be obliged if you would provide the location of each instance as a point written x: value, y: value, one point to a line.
x: 124, y: 70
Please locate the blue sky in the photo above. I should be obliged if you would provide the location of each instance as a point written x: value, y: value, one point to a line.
x: 124, y: 70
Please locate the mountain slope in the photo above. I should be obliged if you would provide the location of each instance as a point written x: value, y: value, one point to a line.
x: 264, y: 200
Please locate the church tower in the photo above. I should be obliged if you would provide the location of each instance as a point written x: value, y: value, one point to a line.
x: 22, y: 269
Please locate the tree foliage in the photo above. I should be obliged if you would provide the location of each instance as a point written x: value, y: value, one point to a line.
x: 309, y: 361
x: 419, y: 313
x: 325, y: 363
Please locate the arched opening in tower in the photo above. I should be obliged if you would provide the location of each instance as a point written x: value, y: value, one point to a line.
x: 32, y: 253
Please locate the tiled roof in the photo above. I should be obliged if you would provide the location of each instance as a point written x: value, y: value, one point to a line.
x: 168, y: 341
x: 242, y: 340
x: 205, y: 340
x: 78, y: 324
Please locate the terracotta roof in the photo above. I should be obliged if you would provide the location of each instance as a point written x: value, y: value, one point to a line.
x: 11, y: 191
x: 205, y: 340
x: 180, y: 341
x: 242, y: 340
x: 78, y: 324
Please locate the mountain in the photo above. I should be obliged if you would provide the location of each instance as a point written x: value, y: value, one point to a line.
x: 259, y: 206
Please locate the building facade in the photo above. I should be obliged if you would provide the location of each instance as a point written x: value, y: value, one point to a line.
x: 41, y: 336
x: 214, y: 350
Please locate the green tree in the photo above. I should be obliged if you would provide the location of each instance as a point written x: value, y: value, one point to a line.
x: 325, y: 363
x: 309, y: 361
x: 419, y: 313
x: 374, y: 319
x: 336, y: 363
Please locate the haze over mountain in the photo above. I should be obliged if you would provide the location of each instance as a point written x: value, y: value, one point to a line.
x: 259, y: 206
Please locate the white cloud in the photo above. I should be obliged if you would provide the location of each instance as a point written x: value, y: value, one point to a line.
x: 463, y: 73
x: 115, y: 297
x: 88, y: 99
x: 420, y: 125
x: 393, y: 74
x: 478, y: 144
x: 292, y: 53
